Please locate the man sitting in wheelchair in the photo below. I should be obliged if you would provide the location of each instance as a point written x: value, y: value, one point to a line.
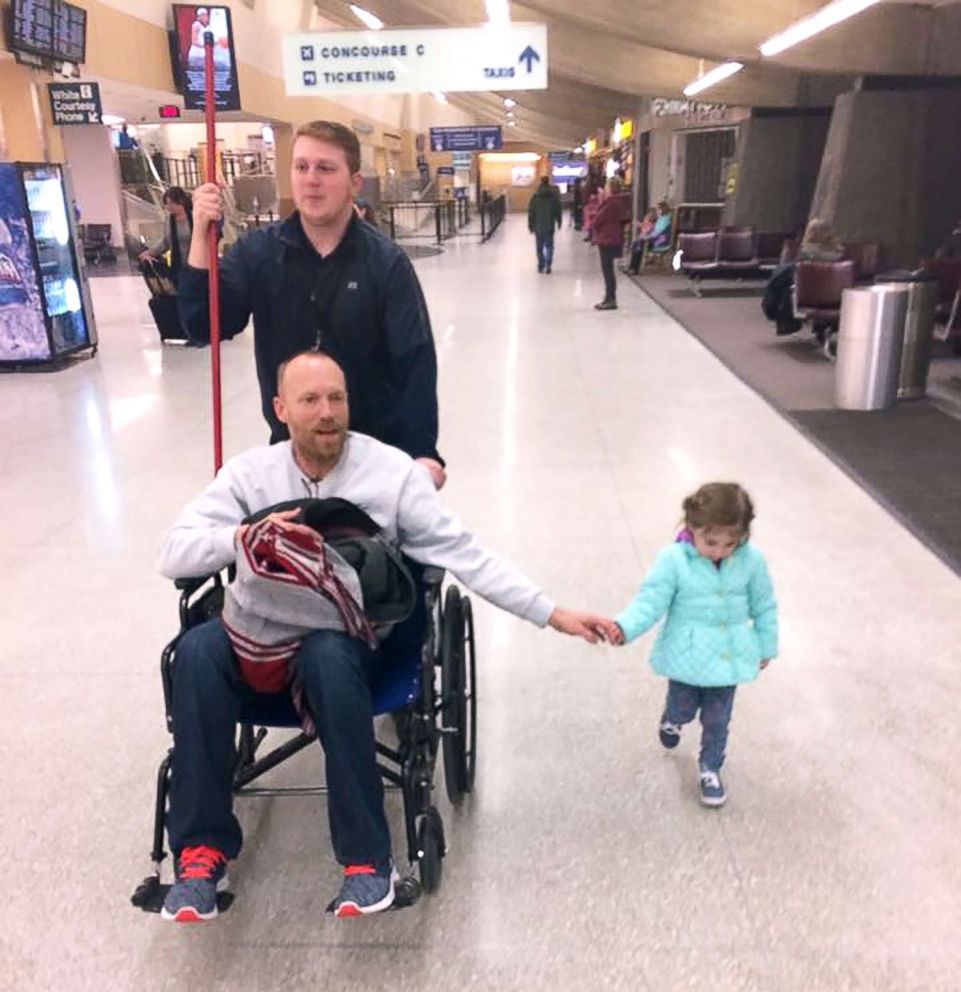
x: 332, y: 669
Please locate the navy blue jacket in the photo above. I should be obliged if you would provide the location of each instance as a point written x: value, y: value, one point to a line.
x: 362, y: 304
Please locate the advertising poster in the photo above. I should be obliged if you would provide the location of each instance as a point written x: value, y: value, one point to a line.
x: 23, y: 331
x: 191, y: 23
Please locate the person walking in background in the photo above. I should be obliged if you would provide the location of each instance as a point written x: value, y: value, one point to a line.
x: 543, y: 217
x: 577, y: 205
x: 591, y: 206
x: 607, y: 232
x: 721, y: 629
x: 178, y: 233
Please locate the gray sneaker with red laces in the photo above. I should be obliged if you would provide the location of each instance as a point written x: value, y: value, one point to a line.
x: 201, y: 873
x: 367, y: 889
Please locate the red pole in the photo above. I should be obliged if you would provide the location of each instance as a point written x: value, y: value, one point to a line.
x: 213, y: 236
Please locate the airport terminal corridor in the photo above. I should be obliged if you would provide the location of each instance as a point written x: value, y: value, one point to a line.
x: 583, y: 859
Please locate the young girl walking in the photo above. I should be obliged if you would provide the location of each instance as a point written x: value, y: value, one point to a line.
x: 721, y: 628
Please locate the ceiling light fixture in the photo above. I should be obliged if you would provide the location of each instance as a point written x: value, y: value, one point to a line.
x: 722, y: 71
x: 807, y: 27
x: 439, y: 97
x: 498, y: 11
x: 509, y: 103
x: 371, y: 20
x: 512, y: 123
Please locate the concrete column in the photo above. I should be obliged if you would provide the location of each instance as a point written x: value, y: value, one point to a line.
x: 779, y: 156
x: 890, y: 170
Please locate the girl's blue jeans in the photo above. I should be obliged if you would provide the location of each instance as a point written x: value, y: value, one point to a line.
x: 715, y: 704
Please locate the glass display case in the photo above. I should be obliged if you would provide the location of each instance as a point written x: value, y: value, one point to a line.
x: 45, y: 310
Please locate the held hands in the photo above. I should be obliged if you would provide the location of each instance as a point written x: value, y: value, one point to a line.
x: 284, y: 521
x: 590, y: 626
x: 615, y: 635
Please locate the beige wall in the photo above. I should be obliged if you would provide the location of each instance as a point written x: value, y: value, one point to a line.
x: 29, y: 136
x: 96, y: 176
x: 496, y: 175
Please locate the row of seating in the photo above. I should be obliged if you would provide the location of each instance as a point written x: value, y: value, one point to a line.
x: 744, y: 253
x: 819, y: 286
x: 97, y: 243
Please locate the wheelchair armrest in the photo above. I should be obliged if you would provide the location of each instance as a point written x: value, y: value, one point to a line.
x: 190, y: 586
x: 433, y: 576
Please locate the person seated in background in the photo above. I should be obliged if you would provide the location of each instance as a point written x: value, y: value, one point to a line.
x: 820, y: 243
x: 654, y: 231
x: 951, y: 246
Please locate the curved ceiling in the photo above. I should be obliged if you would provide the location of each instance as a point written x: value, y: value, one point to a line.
x: 607, y: 54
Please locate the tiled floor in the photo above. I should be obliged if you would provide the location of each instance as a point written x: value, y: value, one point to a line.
x: 584, y: 859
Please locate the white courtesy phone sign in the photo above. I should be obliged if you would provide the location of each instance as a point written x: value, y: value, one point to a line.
x: 492, y: 57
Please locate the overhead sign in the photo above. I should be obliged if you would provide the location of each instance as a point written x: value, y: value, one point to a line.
x: 492, y: 57
x: 693, y: 109
x: 75, y: 103
x: 564, y: 171
x: 486, y: 138
x: 445, y: 170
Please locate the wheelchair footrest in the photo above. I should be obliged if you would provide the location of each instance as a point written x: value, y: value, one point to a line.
x: 151, y: 893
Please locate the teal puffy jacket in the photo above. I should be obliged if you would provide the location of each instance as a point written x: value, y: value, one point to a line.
x: 721, y: 622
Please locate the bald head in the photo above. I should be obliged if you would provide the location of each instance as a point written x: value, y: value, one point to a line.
x: 309, y: 364
x: 312, y: 401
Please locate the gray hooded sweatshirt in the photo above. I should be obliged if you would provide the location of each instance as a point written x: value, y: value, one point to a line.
x: 383, y: 481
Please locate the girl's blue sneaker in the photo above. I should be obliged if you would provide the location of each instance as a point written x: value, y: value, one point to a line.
x: 670, y: 733
x: 712, y: 789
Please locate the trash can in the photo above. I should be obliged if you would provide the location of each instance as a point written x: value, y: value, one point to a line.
x: 870, y: 341
x: 918, y: 329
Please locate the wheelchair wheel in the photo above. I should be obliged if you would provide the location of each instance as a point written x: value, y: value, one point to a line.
x: 459, y: 702
x: 431, y: 849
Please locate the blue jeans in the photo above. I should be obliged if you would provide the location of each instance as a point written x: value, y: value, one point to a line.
x: 715, y: 704
x: 545, y: 250
x: 337, y: 673
x: 608, y: 253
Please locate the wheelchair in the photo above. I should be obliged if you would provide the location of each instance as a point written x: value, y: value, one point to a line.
x: 430, y: 693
